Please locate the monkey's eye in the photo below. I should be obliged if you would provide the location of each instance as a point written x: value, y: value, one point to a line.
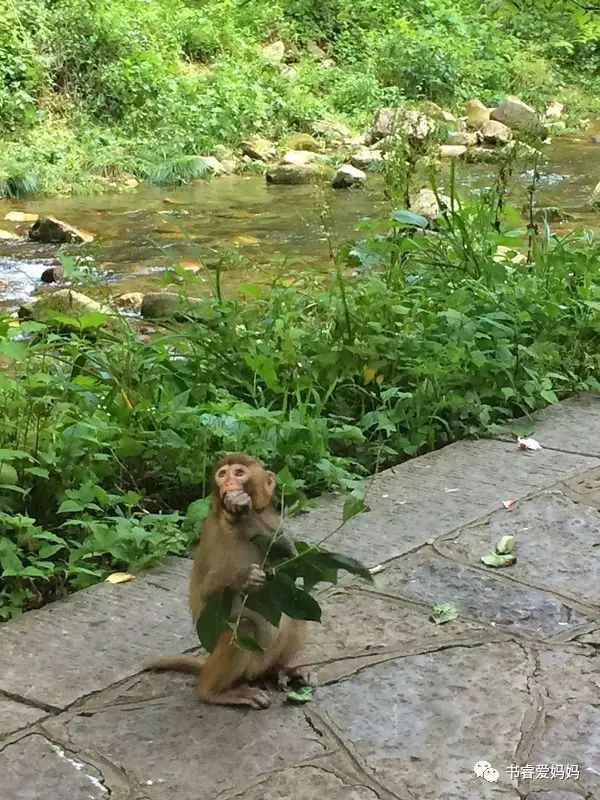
x: 239, y: 472
x: 221, y: 473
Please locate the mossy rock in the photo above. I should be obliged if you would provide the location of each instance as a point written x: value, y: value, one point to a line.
x: 297, y: 175
x: 300, y: 141
x: 171, y: 306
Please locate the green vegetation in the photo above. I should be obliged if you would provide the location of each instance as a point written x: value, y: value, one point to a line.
x: 94, y: 90
x: 106, y: 439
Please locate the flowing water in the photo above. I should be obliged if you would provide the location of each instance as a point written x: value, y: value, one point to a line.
x: 263, y: 229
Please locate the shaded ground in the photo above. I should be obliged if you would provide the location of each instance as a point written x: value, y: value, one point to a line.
x: 405, y: 709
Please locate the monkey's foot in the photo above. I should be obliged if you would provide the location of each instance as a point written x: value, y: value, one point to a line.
x: 297, y: 676
x: 248, y: 696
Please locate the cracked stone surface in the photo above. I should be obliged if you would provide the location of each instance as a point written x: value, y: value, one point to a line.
x: 95, y: 637
x: 558, y: 543
x: 405, y: 707
x: 14, y: 716
x: 35, y: 768
x: 479, y: 594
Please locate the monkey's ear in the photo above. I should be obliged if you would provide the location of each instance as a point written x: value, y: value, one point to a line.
x: 270, y: 482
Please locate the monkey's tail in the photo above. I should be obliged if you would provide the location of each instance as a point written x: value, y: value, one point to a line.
x: 189, y: 664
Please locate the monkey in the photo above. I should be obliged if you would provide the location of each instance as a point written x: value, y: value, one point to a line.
x: 228, y: 556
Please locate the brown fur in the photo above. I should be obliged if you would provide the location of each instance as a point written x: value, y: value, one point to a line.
x: 227, y: 557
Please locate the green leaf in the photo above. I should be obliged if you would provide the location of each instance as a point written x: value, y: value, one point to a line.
x: 303, y: 695
x: 10, y: 562
x: 69, y: 506
x: 8, y: 475
x: 443, y: 612
x: 281, y: 592
x: 264, y: 605
x: 196, y: 514
x: 354, y: 504
x: 499, y: 560
x: 505, y: 545
x: 250, y: 289
x: 92, y: 319
x: 39, y: 472
x: 405, y: 217
x: 214, y: 618
x: 7, y: 454
x: 16, y: 351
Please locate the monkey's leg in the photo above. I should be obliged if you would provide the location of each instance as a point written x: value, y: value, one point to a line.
x: 225, y: 667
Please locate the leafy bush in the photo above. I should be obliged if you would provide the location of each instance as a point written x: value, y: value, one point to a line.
x: 92, y: 89
x: 106, y: 440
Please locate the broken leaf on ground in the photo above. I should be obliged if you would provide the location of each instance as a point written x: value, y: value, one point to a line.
x: 119, y: 577
x: 505, y: 545
x: 303, y: 695
x: 443, y: 612
x: 499, y: 559
x: 509, y: 504
x: 528, y: 443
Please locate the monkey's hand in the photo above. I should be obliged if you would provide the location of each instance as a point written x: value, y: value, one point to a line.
x: 237, y: 502
x: 255, y: 579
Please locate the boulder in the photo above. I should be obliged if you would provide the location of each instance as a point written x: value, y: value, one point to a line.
x: 170, y: 305
x: 52, y: 274
x: 494, y: 132
x: 48, y: 230
x: 348, y: 176
x: 274, y: 52
x: 20, y: 216
x: 214, y: 165
x: 365, y: 158
x: 316, y: 51
x: 408, y: 122
x: 130, y: 301
x: 477, y: 113
x: 296, y: 174
x: 301, y: 141
x: 483, y: 155
x: 452, y: 150
x: 518, y: 116
x: 65, y: 301
x: 299, y: 157
x: 333, y: 130
x: 289, y: 72
x: 436, y: 112
x: 466, y: 138
x: 426, y: 204
x: 595, y: 198
x: 555, y: 109
x: 550, y: 214
x: 258, y: 148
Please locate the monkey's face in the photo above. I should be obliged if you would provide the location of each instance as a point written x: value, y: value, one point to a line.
x: 232, y: 478
x: 241, y: 487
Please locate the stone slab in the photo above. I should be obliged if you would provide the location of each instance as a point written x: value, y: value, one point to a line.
x: 584, y: 488
x: 435, y: 494
x: 557, y: 545
x: 95, y: 637
x: 307, y: 783
x: 424, y: 721
x: 572, y: 736
x: 485, y: 596
x: 14, y: 716
x: 572, y: 426
x: 357, y: 623
x: 33, y: 768
x: 175, y: 747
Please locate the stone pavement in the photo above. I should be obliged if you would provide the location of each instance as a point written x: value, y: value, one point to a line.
x: 406, y: 707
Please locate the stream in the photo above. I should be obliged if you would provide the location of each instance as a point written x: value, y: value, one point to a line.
x: 263, y: 230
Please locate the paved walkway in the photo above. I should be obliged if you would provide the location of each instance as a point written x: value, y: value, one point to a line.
x: 406, y: 708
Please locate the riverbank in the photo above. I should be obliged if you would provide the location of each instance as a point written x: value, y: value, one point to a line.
x: 98, y: 97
